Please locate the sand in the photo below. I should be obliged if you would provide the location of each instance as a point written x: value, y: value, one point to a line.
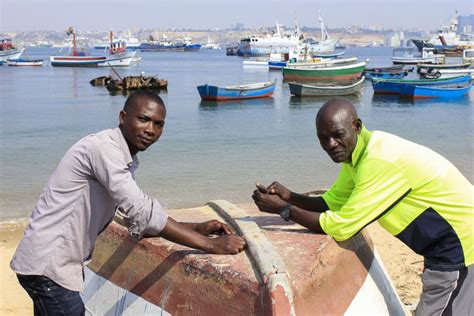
x: 404, y: 268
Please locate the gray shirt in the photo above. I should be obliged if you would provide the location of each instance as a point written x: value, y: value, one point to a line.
x: 93, y: 180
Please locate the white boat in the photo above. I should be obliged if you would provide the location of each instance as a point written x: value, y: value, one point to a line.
x: 118, y: 55
x: 427, y: 57
x: 449, y: 73
x: 25, y: 62
x: 326, y: 44
x: 278, y: 42
x: 448, y: 34
x: 210, y: 44
x: 8, y: 51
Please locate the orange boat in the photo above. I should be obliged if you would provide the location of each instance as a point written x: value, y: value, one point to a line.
x: 286, y: 270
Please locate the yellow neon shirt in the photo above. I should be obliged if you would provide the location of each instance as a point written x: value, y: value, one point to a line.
x: 414, y: 193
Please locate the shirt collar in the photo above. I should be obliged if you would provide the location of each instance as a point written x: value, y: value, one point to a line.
x: 359, y: 150
x: 129, y: 159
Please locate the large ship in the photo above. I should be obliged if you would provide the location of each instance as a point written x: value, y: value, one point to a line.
x: 8, y: 50
x: 277, y: 42
x: 447, y: 36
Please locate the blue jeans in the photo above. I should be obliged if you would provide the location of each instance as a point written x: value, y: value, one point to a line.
x: 49, y: 298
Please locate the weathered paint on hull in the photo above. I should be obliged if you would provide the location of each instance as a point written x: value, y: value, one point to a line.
x: 394, y: 86
x: 215, y: 93
x: 326, y: 278
x: 316, y: 74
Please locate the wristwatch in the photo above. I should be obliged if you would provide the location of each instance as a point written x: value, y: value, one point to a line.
x: 285, y: 212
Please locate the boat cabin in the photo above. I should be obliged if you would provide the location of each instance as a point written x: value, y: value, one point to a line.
x: 468, y: 55
x: 5, y: 44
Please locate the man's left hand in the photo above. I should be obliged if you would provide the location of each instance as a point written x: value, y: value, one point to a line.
x: 213, y: 227
x: 268, y: 203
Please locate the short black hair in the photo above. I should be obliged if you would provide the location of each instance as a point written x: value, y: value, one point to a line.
x: 143, y: 95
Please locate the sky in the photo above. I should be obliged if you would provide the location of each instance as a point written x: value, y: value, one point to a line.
x: 88, y: 15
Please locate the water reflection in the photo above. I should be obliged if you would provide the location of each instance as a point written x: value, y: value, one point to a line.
x: 208, y: 105
x: 296, y: 102
x: 389, y: 100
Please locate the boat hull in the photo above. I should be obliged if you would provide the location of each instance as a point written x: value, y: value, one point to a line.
x: 345, y: 72
x: 10, y: 54
x: 120, y: 60
x: 208, y: 92
x: 158, y: 276
x: 396, y: 86
x: 25, y: 62
x: 302, y: 90
x: 424, y: 92
x: 76, y: 61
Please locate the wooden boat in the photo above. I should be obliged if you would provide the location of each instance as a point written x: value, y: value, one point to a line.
x: 238, y: 92
x: 8, y: 50
x: 118, y: 55
x: 445, y: 91
x: 304, y: 90
x: 76, y: 58
x: 394, y: 86
x: 135, y: 83
x: 286, y: 270
x: 25, y: 62
x: 427, y: 57
x: 100, y: 81
x: 317, y: 62
x: 328, y: 55
x: 325, y: 72
x: 385, y: 75
x: 394, y: 68
x: 420, y: 67
x: 447, y: 73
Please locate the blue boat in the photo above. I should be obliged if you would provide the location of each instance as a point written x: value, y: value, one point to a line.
x: 385, y: 75
x: 192, y: 47
x: 394, y: 86
x: 445, y: 91
x: 327, y: 55
x: 273, y: 64
x: 238, y: 92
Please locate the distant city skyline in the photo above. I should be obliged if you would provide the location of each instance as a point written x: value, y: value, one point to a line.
x: 88, y: 15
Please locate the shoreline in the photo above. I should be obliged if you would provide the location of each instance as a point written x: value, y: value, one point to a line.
x: 404, y: 267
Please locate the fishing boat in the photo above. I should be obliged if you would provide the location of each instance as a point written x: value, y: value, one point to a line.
x: 427, y: 57
x: 277, y: 42
x: 328, y: 55
x: 158, y: 277
x: 326, y: 44
x: 385, y: 75
x: 447, y: 73
x: 325, y: 72
x: 394, y: 86
x: 237, y: 92
x: 394, y: 68
x: 210, y: 44
x: 8, y: 50
x: 444, y: 91
x: 165, y: 44
x: 118, y: 55
x: 304, y: 90
x: 316, y: 62
x: 25, y: 62
x: 76, y: 58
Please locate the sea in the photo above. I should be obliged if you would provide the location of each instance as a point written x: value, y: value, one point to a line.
x: 208, y: 150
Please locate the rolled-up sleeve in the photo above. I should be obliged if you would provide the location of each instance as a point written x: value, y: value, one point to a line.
x: 142, y: 214
x: 379, y: 186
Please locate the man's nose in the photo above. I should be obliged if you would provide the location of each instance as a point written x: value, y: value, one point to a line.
x: 150, y: 128
x: 332, y: 143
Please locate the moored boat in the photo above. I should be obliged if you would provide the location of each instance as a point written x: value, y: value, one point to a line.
x: 468, y: 55
x: 25, y: 62
x: 76, y: 58
x: 448, y: 73
x: 8, y: 50
x: 427, y: 57
x: 303, y: 90
x: 158, y: 277
x: 326, y: 44
x: 325, y: 72
x: 394, y: 86
x: 237, y: 92
x: 385, y: 75
x: 444, y: 91
x: 328, y: 55
x: 118, y: 55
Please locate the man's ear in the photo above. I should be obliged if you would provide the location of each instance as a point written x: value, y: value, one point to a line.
x: 358, y: 125
x: 122, y: 117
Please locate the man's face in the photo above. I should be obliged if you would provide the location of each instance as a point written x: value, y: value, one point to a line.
x: 338, y: 138
x: 142, y: 125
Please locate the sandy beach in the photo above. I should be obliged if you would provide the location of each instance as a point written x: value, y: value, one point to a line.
x: 403, y: 265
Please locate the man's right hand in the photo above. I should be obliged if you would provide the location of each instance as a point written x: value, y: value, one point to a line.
x: 280, y: 190
x: 226, y: 244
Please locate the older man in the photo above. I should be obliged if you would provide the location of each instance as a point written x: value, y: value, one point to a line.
x: 93, y: 180
x: 413, y: 192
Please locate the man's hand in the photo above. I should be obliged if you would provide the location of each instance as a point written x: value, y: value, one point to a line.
x: 227, y: 244
x: 280, y: 190
x: 267, y: 202
x: 213, y: 227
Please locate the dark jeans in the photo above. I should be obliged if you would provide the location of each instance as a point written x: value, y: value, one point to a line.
x: 49, y: 298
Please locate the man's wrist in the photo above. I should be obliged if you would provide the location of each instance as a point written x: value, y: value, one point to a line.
x: 285, y: 212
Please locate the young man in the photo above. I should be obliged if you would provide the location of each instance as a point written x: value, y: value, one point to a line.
x: 93, y: 180
x: 415, y: 194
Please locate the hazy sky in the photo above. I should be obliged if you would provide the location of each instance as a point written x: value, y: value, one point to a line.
x: 21, y: 15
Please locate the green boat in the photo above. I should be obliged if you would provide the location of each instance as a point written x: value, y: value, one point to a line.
x: 325, y: 72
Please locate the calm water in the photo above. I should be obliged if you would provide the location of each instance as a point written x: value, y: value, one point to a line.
x: 207, y: 151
